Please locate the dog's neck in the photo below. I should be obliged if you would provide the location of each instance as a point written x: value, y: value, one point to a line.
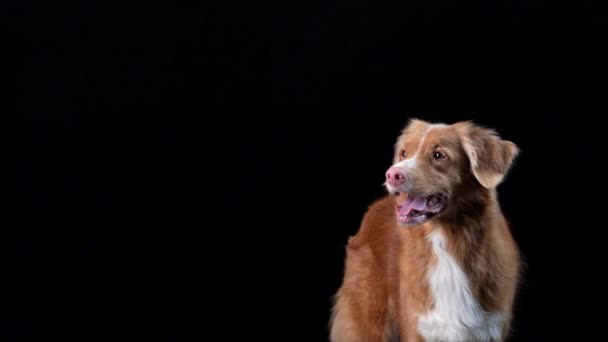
x: 466, y: 225
x: 469, y: 208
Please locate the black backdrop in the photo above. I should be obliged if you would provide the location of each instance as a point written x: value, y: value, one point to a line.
x: 185, y: 170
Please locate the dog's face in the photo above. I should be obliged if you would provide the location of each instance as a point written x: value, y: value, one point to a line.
x: 432, y: 161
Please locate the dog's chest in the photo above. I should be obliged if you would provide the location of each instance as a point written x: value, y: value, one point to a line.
x: 456, y: 314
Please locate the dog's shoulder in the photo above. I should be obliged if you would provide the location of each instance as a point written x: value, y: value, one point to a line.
x: 377, y: 226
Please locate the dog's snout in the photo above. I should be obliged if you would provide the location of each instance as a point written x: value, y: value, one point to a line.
x: 395, y: 176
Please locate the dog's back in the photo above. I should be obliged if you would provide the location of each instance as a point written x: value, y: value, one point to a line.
x: 438, y: 264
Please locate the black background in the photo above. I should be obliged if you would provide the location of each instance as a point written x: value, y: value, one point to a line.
x: 184, y: 170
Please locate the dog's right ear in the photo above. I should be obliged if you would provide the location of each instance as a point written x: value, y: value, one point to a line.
x: 490, y: 157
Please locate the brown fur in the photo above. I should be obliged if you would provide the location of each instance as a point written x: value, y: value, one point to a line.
x: 385, y: 287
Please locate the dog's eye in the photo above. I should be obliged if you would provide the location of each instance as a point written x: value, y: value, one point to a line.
x: 403, y: 154
x: 438, y: 155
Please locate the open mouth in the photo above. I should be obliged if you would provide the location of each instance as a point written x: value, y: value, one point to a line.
x: 417, y: 209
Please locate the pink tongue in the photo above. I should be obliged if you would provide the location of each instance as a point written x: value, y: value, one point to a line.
x: 411, y: 203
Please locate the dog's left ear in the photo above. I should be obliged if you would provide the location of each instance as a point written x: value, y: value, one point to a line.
x: 489, y: 155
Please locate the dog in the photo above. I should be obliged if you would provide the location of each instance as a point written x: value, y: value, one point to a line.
x: 435, y: 259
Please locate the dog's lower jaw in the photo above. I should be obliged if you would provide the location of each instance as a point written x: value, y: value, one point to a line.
x: 417, y: 209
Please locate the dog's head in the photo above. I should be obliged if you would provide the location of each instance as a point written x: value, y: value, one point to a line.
x: 434, y: 163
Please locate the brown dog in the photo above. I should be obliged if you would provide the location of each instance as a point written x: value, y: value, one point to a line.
x: 437, y: 264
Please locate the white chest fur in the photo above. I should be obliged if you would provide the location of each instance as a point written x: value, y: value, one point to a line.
x: 456, y: 315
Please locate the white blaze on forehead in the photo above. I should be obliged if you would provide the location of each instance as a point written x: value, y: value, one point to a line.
x: 411, y: 161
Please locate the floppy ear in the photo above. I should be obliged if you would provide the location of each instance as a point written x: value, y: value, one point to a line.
x: 490, y: 157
